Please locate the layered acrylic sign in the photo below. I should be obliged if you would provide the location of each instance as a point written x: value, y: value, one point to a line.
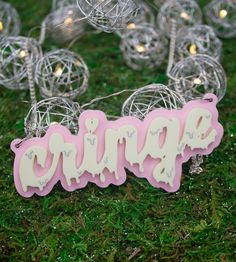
x: 153, y: 149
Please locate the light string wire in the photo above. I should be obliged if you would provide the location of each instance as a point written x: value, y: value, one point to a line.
x: 197, y: 160
x: 29, y: 68
x: 43, y: 31
x: 173, y: 36
x: 171, y: 59
x: 97, y: 99
x: 31, y: 83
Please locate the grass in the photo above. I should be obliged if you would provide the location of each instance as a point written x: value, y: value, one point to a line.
x: 135, y: 221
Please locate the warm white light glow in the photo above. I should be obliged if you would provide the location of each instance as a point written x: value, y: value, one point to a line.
x: 131, y: 26
x: 78, y: 63
x: 58, y: 72
x: 1, y: 26
x: 197, y: 81
x: 22, y: 54
x: 140, y: 48
x: 185, y: 16
x: 223, y: 13
x: 53, y: 123
x: 68, y: 21
x: 193, y: 49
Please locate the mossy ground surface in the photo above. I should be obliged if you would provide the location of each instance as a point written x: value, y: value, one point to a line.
x: 132, y: 222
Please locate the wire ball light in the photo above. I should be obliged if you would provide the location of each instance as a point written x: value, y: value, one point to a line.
x: 55, y: 110
x: 200, y: 39
x: 185, y: 13
x: 144, y: 15
x: 221, y: 15
x: 13, y: 67
x: 65, y: 24
x: 10, y: 23
x: 108, y: 15
x: 57, y: 4
x: 144, y: 46
x: 149, y: 98
x: 62, y: 73
x: 198, y: 75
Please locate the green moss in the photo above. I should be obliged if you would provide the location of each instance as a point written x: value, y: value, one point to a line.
x: 133, y: 222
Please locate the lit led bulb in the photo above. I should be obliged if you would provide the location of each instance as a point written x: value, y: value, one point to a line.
x: 223, y: 13
x: 68, y: 21
x: 53, y: 123
x: 140, y: 48
x: 78, y: 63
x: 197, y: 81
x: 22, y: 54
x: 185, y: 16
x: 58, y: 71
x: 144, y: 47
x: 193, y: 49
x: 1, y: 26
x: 131, y: 26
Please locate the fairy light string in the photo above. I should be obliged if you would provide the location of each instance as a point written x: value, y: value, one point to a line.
x: 68, y: 110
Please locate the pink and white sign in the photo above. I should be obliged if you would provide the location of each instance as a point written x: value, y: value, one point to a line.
x: 154, y: 149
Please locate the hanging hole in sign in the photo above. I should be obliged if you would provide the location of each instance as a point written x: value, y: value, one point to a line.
x: 18, y: 145
x: 210, y: 100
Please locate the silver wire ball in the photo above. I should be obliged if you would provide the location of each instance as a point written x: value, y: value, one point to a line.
x: 108, y: 15
x: 186, y: 13
x: 13, y: 68
x: 144, y: 15
x: 198, y: 75
x: 65, y: 24
x: 10, y: 23
x: 56, y: 4
x: 149, y: 98
x: 200, y: 39
x: 62, y: 73
x: 55, y: 110
x: 143, y: 47
x: 221, y: 15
